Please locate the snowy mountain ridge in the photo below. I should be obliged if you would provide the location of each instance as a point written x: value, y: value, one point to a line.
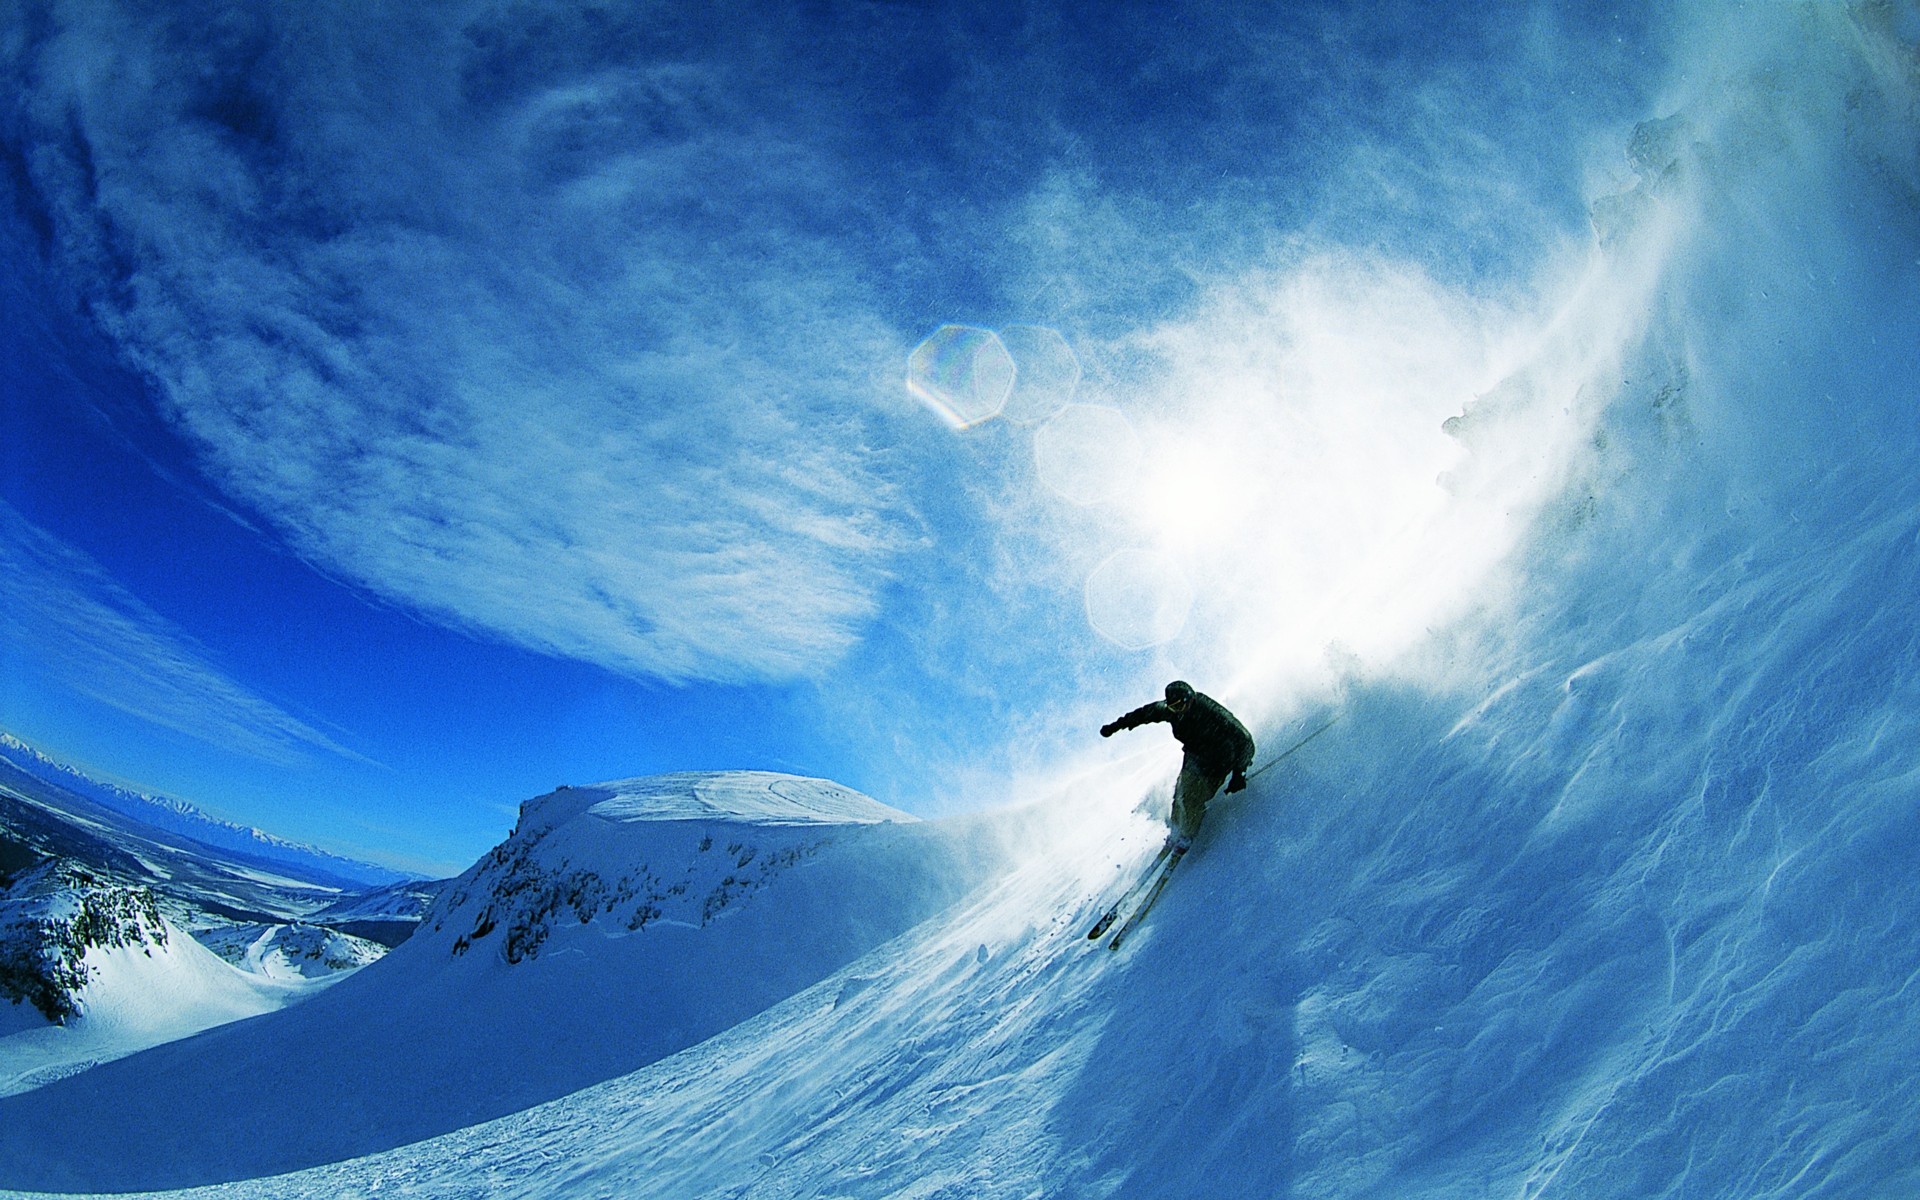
x: 737, y: 797
x: 387, y: 915
x: 197, y: 882
x: 680, y: 847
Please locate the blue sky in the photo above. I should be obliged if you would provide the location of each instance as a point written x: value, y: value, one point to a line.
x: 410, y: 410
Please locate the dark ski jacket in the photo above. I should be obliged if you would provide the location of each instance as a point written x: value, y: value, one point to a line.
x: 1210, y: 734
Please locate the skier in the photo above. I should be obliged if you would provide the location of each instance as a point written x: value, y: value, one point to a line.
x: 1218, y: 746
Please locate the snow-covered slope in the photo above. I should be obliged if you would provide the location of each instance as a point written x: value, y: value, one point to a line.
x: 79, y: 879
x: 291, y: 951
x: 616, y: 925
x: 94, y: 972
x: 51, y: 917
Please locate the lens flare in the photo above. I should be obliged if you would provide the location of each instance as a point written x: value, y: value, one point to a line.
x: 1191, y: 496
x: 1047, y: 373
x: 963, y: 373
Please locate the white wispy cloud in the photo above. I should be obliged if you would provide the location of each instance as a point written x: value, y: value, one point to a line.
x: 66, y: 619
x: 536, y: 344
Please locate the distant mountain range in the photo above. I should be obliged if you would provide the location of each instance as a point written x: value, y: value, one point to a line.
x: 179, y: 817
x: 113, y: 902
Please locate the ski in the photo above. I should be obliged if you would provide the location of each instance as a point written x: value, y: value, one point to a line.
x: 1146, y: 877
x: 1289, y: 751
x: 1139, y: 914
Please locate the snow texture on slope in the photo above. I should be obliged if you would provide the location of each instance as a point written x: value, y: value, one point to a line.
x: 292, y: 951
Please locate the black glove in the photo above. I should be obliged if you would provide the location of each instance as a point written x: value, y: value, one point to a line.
x: 1238, y: 781
x: 1109, y: 730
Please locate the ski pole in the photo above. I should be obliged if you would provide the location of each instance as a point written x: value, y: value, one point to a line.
x: 1290, y: 749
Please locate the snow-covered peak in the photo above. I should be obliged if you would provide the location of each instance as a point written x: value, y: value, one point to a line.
x: 52, y: 917
x: 683, y: 848
x: 740, y: 797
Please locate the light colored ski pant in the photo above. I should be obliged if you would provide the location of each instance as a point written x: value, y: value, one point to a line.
x: 1196, y: 786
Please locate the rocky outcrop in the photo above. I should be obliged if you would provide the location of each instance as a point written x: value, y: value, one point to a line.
x: 295, y: 950
x: 52, y: 916
x: 698, y: 861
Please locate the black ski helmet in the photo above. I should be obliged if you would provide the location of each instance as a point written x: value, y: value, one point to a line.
x: 1179, y: 689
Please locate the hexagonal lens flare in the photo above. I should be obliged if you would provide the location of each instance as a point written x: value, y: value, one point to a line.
x: 961, y: 372
x: 1046, y: 373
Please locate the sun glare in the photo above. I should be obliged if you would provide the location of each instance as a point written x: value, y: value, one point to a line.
x: 1192, y: 498
x: 1285, y: 478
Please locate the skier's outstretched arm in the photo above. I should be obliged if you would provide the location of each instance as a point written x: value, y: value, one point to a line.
x: 1145, y: 714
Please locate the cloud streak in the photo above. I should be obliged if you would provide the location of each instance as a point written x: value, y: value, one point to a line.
x: 63, y: 616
